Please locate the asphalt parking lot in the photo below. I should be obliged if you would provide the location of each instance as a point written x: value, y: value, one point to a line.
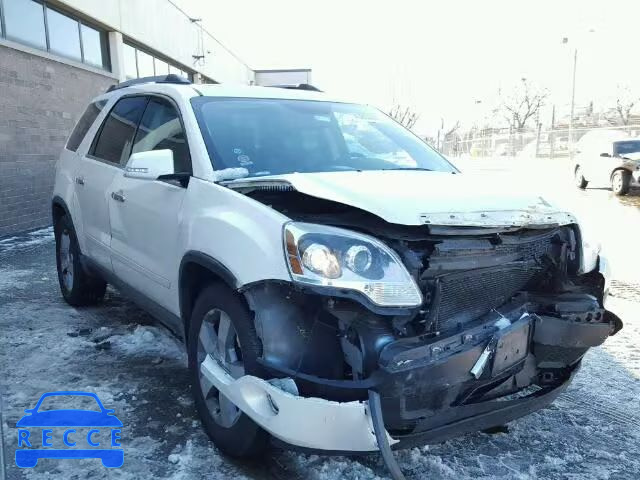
x: 138, y: 369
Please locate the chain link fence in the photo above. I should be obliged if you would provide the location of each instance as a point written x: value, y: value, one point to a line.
x: 548, y: 143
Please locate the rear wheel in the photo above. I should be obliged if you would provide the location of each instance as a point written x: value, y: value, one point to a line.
x: 620, y: 182
x: 581, y: 182
x: 222, y: 329
x: 78, y: 287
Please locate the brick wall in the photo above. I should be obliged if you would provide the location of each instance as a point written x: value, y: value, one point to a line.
x: 40, y: 101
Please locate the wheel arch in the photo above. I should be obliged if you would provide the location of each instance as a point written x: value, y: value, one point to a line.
x: 59, y: 209
x: 618, y: 169
x: 197, y: 269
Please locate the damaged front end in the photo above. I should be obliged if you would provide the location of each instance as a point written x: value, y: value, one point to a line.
x: 502, y: 320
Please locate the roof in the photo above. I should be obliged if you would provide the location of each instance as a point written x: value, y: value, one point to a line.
x: 222, y: 90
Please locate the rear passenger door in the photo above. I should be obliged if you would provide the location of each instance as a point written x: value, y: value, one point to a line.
x: 146, y: 217
x: 97, y: 171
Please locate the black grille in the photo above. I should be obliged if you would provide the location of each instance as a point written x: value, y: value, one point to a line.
x: 465, y: 296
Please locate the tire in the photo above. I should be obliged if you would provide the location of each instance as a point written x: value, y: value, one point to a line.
x: 580, y: 181
x: 78, y: 287
x: 240, y: 437
x: 620, y: 182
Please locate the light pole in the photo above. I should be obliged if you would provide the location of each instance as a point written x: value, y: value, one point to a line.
x: 565, y: 40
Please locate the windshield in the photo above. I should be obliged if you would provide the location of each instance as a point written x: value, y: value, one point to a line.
x: 274, y: 136
x: 626, y: 147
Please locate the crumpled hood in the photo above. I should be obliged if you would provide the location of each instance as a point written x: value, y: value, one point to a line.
x: 413, y: 197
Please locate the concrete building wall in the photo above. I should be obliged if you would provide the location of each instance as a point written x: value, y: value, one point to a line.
x: 40, y: 101
x: 161, y: 26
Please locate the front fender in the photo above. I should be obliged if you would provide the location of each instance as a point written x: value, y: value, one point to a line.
x: 243, y: 235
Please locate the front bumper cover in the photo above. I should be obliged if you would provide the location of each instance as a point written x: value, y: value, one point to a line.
x: 427, y: 390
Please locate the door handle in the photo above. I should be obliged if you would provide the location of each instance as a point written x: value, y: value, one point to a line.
x: 80, y: 180
x: 118, y: 196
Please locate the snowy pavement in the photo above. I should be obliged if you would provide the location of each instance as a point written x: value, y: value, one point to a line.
x: 138, y: 369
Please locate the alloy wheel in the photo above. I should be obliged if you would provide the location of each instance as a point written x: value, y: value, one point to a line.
x: 218, y: 339
x: 66, y: 260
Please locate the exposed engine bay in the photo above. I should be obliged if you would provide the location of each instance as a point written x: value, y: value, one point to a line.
x: 504, y: 324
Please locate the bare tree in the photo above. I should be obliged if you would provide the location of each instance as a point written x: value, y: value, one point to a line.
x: 625, y: 103
x: 522, y: 104
x: 404, y: 115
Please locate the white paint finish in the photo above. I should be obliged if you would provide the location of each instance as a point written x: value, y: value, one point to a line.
x: 150, y: 164
x: 242, y: 234
x: 327, y: 425
x: 93, y: 201
x: 145, y: 235
x: 169, y: 32
x: 417, y: 197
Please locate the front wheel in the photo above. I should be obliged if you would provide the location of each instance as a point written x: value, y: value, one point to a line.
x: 222, y: 329
x: 580, y: 181
x: 620, y: 182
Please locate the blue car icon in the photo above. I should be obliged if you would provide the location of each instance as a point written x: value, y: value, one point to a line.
x: 69, y: 418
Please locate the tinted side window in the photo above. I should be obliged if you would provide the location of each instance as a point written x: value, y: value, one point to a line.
x: 84, y: 124
x: 161, y: 129
x: 118, y: 130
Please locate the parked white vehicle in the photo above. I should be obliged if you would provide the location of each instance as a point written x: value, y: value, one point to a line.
x: 331, y: 297
x: 608, y: 158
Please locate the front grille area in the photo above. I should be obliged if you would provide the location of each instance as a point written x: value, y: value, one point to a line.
x: 465, y: 277
x: 465, y: 296
x: 523, y: 248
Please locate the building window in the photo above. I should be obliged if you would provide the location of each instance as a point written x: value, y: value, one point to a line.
x: 35, y: 24
x: 130, y: 65
x: 94, y: 46
x: 138, y: 63
x: 145, y: 64
x: 24, y: 22
x: 162, y: 68
x: 64, y: 36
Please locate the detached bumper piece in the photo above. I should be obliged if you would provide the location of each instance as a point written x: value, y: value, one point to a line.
x: 307, y: 422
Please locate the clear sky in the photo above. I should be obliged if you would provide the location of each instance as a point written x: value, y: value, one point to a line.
x: 440, y: 57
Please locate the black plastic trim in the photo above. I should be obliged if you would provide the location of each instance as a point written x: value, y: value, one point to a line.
x: 209, y: 263
x: 57, y: 200
x: 204, y: 260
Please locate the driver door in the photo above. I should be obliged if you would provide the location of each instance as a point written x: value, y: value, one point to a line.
x: 145, y: 213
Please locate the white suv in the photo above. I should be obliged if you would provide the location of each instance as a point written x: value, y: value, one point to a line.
x: 339, y: 285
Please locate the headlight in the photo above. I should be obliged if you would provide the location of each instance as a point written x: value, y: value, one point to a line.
x: 333, y: 257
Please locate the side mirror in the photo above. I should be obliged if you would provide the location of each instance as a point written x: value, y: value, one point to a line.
x: 605, y: 154
x: 149, y: 165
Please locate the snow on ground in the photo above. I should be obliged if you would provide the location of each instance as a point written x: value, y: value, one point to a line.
x: 137, y: 368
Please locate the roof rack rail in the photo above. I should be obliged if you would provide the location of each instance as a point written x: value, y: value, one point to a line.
x: 171, y: 78
x: 298, y: 86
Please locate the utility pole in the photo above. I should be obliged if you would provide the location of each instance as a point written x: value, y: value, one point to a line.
x: 573, y: 102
